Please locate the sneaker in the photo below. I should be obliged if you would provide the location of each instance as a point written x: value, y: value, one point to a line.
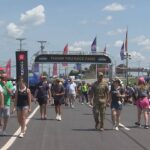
x: 146, y: 127
x: 117, y: 129
x: 59, y: 117
x: 138, y: 124
x: 21, y: 135
x: 101, y: 129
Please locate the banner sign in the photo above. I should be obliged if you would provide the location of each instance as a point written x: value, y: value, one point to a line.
x: 22, y: 65
x: 45, y: 58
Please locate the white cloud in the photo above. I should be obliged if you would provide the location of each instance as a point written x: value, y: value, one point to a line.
x: 14, y: 31
x: 35, y: 16
x: 136, y: 56
x: 80, y: 46
x: 82, y: 43
x: 109, y: 18
x: 114, y: 7
x: 118, y: 43
x: 117, y: 31
x: 142, y: 41
x: 76, y: 49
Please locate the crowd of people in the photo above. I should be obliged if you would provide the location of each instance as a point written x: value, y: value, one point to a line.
x: 97, y: 95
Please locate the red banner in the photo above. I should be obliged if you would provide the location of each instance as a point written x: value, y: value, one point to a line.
x: 8, y: 68
x: 55, y: 69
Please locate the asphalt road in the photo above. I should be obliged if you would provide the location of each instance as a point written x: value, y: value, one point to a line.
x: 76, y: 132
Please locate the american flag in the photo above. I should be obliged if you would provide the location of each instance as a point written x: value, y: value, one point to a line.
x: 65, y: 52
x: 93, y: 46
x: 122, y: 52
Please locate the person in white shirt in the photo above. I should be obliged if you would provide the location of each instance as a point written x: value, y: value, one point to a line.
x: 72, y: 89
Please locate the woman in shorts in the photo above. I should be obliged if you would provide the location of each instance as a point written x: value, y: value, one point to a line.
x: 142, y: 102
x: 22, y: 104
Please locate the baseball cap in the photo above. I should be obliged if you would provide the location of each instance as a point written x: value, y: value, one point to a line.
x: 100, y: 74
x: 141, y: 80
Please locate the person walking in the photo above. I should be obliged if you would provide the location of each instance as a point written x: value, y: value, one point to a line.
x: 72, y: 91
x: 7, y: 87
x: 142, y: 102
x: 58, y: 95
x: 22, y: 104
x: 43, y: 95
x: 84, y: 90
x: 99, y: 94
x: 117, y: 95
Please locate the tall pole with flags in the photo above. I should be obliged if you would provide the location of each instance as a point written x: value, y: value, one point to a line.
x: 93, y: 50
x: 127, y: 55
x: 122, y: 54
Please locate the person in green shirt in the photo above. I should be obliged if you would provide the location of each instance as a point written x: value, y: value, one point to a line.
x: 7, y: 87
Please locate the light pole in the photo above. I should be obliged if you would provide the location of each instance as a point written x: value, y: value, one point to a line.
x: 42, y: 48
x: 20, y: 40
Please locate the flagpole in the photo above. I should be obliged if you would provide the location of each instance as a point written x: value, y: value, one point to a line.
x: 127, y: 56
x: 93, y: 50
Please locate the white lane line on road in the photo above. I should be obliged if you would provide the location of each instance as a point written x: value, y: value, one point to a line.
x: 15, y: 135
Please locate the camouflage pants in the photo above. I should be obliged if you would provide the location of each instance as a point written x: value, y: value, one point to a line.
x: 99, y: 113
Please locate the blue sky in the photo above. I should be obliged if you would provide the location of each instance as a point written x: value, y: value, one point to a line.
x: 76, y: 22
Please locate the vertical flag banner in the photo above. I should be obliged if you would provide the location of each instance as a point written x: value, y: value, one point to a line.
x: 93, y: 46
x: 22, y: 65
x: 122, y: 52
x: 78, y: 66
x: 65, y: 52
x: 55, y: 69
x: 8, y: 68
x: 35, y: 67
x: 126, y: 42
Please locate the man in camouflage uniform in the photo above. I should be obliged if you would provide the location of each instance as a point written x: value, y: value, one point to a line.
x: 99, y: 93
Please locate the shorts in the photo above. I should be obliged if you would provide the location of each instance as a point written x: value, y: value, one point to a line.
x: 42, y: 101
x: 5, y: 112
x: 22, y: 107
x: 117, y: 106
x: 143, y: 103
x: 58, y: 100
